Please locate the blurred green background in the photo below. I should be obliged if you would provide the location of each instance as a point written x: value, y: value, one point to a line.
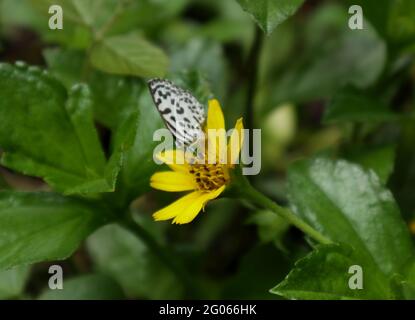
x: 321, y: 88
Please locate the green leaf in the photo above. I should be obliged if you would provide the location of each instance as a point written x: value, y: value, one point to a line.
x: 270, y: 227
x: 401, y: 24
x: 263, y: 263
x: 88, y: 13
x: 332, y: 57
x: 270, y: 13
x: 350, y: 105
x: 125, y: 106
x: 129, y: 54
x: 204, y: 57
x: 350, y: 205
x: 115, y: 97
x: 117, y: 252
x: 12, y: 282
x: 380, y: 159
x: 34, y: 15
x: 78, y: 21
x: 147, y: 15
x: 376, y: 12
x: 65, y: 65
x: 43, y: 226
x: 139, y: 164
x: 53, y: 133
x: 86, y: 287
x: 407, y: 283
x: 329, y: 266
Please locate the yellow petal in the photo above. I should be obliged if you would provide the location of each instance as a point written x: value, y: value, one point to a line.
x: 235, y: 143
x: 216, y: 133
x: 177, y: 160
x: 185, y: 209
x: 176, y: 207
x: 215, y: 119
x: 173, y: 181
x: 194, y: 208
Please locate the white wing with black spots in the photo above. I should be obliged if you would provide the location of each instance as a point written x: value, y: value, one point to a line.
x: 183, y: 115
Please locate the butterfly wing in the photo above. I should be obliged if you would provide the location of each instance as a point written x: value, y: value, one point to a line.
x: 182, y: 113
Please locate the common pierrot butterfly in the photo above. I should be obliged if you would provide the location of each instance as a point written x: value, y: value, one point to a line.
x: 182, y: 113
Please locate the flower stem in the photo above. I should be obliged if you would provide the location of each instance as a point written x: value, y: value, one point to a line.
x: 165, y: 257
x: 257, y: 198
x: 252, y: 75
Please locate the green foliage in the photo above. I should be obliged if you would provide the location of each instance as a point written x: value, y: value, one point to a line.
x: 353, y: 58
x: 401, y: 22
x: 54, y: 139
x: 86, y: 287
x: 129, y: 54
x: 76, y: 146
x: 344, y: 205
x: 260, y: 266
x: 12, y: 282
x: 271, y: 228
x: 329, y: 266
x: 380, y: 159
x: 350, y: 105
x: 44, y: 226
x: 270, y: 13
x: 349, y: 205
x: 119, y: 253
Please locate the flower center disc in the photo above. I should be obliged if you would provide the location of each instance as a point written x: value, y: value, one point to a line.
x: 209, y: 177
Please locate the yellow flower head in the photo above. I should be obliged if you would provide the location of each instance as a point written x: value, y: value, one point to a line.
x: 206, y: 180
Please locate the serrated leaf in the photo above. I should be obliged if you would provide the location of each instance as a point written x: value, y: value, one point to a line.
x: 350, y: 205
x: 43, y: 226
x: 329, y: 266
x: 129, y: 54
x: 86, y: 287
x: 124, y: 105
x: 49, y: 134
x: 115, y: 97
x: 139, y: 164
x: 270, y: 13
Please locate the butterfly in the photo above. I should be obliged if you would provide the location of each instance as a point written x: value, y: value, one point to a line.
x: 182, y: 113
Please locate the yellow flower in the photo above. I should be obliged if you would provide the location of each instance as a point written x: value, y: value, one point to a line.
x: 206, y: 181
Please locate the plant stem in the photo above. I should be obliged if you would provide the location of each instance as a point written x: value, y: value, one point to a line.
x: 252, y: 76
x: 169, y: 260
x: 248, y: 192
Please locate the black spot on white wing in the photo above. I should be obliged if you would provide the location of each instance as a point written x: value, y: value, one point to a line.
x: 181, y: 112
x: 165, y: 111
x: 177, y: 134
